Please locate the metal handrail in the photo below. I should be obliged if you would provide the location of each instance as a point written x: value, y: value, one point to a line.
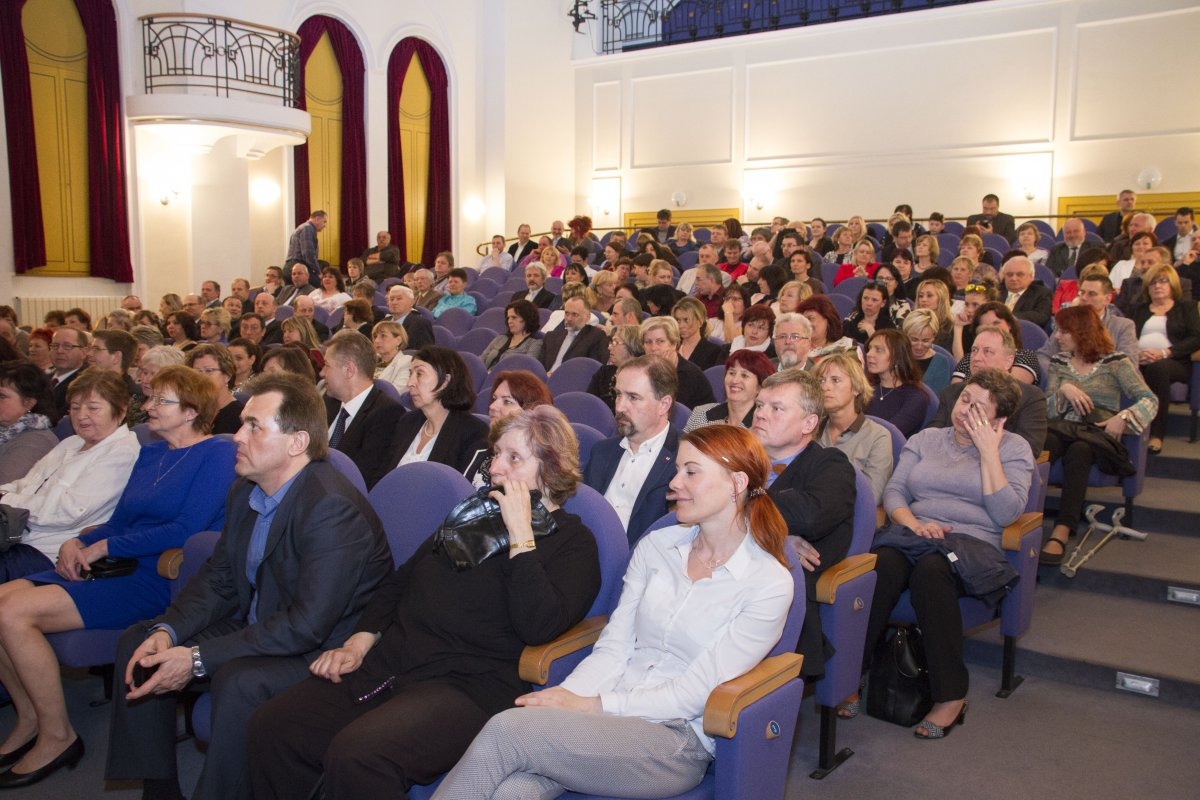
x: 227, y: 56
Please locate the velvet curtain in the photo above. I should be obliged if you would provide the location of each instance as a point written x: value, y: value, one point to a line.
x: 29, y: 243
x: 108, y: 235
x: 352, y: 227
x: 437, y: 216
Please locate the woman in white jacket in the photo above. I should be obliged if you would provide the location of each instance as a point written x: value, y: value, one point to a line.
x: 77, y: 484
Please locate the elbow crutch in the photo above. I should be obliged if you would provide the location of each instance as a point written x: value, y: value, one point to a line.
x: 1079, y: 557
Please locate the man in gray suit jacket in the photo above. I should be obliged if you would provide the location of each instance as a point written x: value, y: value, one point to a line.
x: 315, y: 551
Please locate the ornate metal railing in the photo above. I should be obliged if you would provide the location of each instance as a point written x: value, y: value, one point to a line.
x: 635, y: 24
x: 200, y: 53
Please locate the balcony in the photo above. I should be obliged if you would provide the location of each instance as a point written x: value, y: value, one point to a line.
x: 210, y: 78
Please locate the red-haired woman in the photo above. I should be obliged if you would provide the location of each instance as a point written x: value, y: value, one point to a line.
x: 674, y: 636
x: 1086, y: 380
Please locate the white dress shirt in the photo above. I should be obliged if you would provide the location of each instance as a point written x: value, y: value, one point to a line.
x: 351, y: 408
x: 672, y: 640
x: 631, y: 473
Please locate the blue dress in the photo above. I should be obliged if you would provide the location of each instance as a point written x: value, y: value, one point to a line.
x: 171, y: 494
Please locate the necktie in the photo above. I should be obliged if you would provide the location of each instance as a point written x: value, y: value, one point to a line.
x: 54, y: 383
x: 1011, y: 302
x: 339, y: 428
x: 562, y: 351
x: 778, y: 468
x: 1074, y: 255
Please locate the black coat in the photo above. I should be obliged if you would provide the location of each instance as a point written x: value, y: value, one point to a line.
x: 462, y: 436
x: 368, y: 437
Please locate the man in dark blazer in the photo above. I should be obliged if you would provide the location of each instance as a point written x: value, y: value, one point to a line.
x: 632, y: 470
x: 536, y: 291
x: 994, y: 349
x: 523, y: 246
x: 664, y: 232
x: 265, y: 308
x: 300, y: 286
x: 1027, y: 299
x: 1065, y: 254
x: 993, y: 220
x: 576, y: 338
x: 305, y: 308
x: 68, y: 352
x: 1110, y: 226
x: 1185, y: 229
x: 813, y: 487
x: 400, y: 302
x: 317, y: 551
x: 362, y: 419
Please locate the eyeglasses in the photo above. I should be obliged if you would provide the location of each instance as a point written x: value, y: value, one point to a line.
x: 159, y: 400
x: 791, y: 337
x: 60, y: 346
x: 1160, y: 281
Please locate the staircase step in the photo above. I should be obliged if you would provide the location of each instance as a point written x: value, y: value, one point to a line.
x: 1085, y: 639
x: 1129, y: 568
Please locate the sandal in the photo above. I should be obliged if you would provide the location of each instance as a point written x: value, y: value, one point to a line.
x: 932, y: 731
x: 1053, y: 559
x: 849, y: 710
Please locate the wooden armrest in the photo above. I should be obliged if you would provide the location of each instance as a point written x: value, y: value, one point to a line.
x: 1010, y: 538
x: 534, y: 666
x: 169, y: 563
x: 841, y: 572
x: 727, y: 700
x: 881, y: 517
x: 1043, y: 457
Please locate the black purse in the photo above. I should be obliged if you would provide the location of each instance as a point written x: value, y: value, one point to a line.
x: 12, y: 525
x: 898, y: 684
x: 1109, y: 452
x: 109, y: 567
x: 474, y: 530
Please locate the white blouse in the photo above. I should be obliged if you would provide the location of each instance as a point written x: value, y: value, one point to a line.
x: 672, y: 640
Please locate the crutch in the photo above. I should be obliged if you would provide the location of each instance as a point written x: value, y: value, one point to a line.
x: 1079, y: 557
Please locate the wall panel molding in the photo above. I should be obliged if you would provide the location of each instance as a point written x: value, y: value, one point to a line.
x: 683, y: 119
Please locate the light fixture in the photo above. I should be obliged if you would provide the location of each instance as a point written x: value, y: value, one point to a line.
x: 1149, y: 178
x: 264, y: 191
x: 679, y: 198
x: 473, y: 209
x: 1029, y: 193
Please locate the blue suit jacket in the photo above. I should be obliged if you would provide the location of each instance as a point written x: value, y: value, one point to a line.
x: 651, y: 501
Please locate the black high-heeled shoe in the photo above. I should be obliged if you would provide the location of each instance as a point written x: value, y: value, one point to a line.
x: 68, y: 758
x: 933, y: 731
x: 8, y: 759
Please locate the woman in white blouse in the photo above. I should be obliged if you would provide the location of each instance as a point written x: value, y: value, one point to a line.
x: 77, y: 484
x: 332, y: 294
x: 703, y: 602
x: 390, y: 339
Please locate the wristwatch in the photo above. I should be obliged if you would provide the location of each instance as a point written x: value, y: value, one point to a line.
x: 198, y: 670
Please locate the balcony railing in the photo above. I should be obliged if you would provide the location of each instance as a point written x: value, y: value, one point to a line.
x: 635, y: 24
x: 201, y: 54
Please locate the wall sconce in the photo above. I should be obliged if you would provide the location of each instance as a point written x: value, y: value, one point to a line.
x: 1029, y: 193
x: 264, y: 191
x: 605, y: 198
x: 679, y: 198
x: 1149, y: 178
x: 167, y: 195
x: 473, y: 209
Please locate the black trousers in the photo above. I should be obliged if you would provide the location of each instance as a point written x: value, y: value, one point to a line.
x: 1159, y: 376
x: 378, y: 748
x: 935, y: 600
x: 1077, y: 463
x: 141, y: 742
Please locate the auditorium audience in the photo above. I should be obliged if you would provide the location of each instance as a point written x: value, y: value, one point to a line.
x: 921, y: 328
x: 216, y: 364
x: 845, y: 394
x: 392, y: 363
x: 247, y: 360
x: 521, y: 320
x: 898, y: 397
x: 441, y: 427
x: 745, y: 370
x: 660, y: 337
x: 826, y: 325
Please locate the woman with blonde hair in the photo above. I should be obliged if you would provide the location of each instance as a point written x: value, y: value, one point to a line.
x: 934, y: 295
x: 392, y: 363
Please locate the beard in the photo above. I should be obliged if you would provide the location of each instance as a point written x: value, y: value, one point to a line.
x: 625, y: 426
x: 788, y: 359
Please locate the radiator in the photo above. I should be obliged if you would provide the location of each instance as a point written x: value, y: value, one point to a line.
x: 31, y: 310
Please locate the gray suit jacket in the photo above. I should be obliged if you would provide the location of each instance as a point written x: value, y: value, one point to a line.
x: 325, y: 554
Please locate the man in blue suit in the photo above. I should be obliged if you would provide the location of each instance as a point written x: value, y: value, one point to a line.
x: 632, y: 470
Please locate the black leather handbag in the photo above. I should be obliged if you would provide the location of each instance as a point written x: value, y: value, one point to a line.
x: 12, y: 525
x: 110, y: 567
x: 474, y: 530
x: 898, y: 685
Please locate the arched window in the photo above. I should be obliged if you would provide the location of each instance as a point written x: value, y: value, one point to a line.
x: 408, y: 205
x: 66, y: 148
x: 331, y: 169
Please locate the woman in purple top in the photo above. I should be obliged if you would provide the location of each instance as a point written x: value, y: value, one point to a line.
x: 899, y: 397
x: 177, y: 488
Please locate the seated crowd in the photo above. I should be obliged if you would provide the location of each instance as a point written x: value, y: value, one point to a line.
x: 743, y: 379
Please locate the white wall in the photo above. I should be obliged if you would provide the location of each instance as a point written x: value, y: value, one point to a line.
x: 934, y: 108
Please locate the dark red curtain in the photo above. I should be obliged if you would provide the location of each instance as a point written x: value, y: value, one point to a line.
x: 29, y: 242
x: 108, y: 236
x: 437, y: 215
x: 352, y: 227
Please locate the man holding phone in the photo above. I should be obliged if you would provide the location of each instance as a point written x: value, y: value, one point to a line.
x: 993, y: 220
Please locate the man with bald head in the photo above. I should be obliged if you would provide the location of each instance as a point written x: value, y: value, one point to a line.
x: 300, y: 286
x: 265, y: 307
x: 306, y: 309
x: 383, y: 260
x: 1025, y: 298
x: 1065, y: 254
